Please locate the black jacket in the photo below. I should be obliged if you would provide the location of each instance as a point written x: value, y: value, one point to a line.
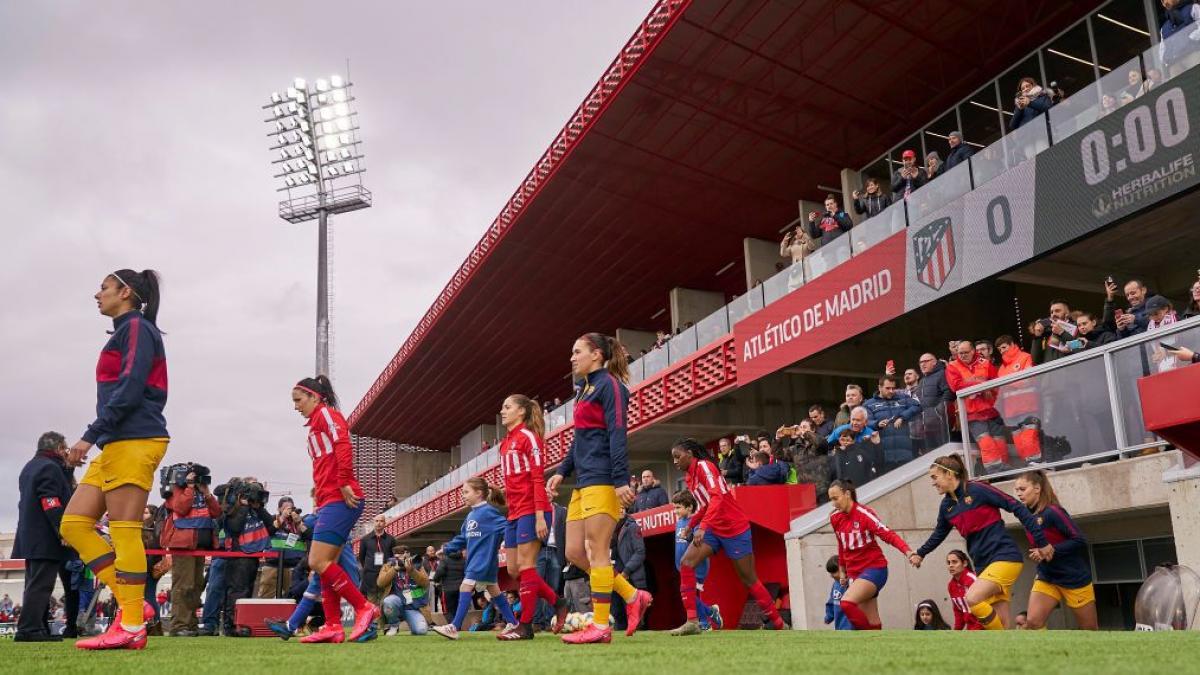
x: 829, y: 226
x: 450, y: 571
x: 650, y: 498
x: 629, y: 552
x: 557, y: 523
x: 957, y: 156
x: 933, y: 390
x: 733, y: 465
x: 45, y: 490
x: 899, y: 183
x: 871, y: 205
x: 1037, y: 105
x: 368, y: 548
x: 859, y: 462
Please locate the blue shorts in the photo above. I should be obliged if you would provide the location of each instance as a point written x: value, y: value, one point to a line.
x: 875, y: 575
x: 522, y: 530
x: 736, y: 547
x: 334, y: 522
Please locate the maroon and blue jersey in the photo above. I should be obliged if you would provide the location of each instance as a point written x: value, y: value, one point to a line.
x: 974, y: 510
x: 1071, y: 567
x: 131, y: 383
x: 598, y: 452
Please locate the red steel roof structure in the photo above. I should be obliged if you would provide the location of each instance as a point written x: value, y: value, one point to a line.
x: 713, y: 120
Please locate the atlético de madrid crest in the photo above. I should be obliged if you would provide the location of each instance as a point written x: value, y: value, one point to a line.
x: 933, y: 253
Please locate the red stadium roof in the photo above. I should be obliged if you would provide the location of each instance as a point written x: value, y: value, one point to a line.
x: 713, y: 120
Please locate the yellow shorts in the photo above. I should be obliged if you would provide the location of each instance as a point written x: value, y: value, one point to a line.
x: 131, y: 462
x: 594, y: 500
x: 1004, y: 574
x: 1074, y: 597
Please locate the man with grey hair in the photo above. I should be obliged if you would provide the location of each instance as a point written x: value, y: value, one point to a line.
x: 859, y: 424
x: 959, y: 151
x: 45, y: 489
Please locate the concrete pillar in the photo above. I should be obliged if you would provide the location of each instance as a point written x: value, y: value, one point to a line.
x: 762, y: 256
x: 851, y: 181
x: 1184, y: 500
x: 807, y: 207
x: 689, y: 305
x: 635, y: 340
x: 414, y: 468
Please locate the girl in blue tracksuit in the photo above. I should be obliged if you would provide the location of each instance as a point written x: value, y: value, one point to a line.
x: 481, y: 535
x: 685, y: 506
x: 1065, y: 575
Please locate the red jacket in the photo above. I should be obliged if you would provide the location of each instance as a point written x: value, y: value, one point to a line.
x: 961, y: 375
x: 1019, y: 398
x: 963, y: 618
x: 188, y: 513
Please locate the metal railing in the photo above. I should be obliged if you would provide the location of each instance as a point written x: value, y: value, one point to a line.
x: 1080, y: 407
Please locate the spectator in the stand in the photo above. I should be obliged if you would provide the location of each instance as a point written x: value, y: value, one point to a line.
x: 860, y: 424
x: 797, y: 244
x: 821, y: 425
x: 854, y: 398
x: 731, y: 459
x: 929, y: 617
x: 983, y: 420
x: 1133, y: 321
x: 1020, y: 402
x: 827, y: 226
x: 373, y: 551
x: 1030, y: 102
x: 1091, y: 333
x: 933, y: 165
x: 660, y: 338
x: 934, y: 395
x: 576, y: 589
x: 985, y: 350
x: 1108, y: 104
x: 652, y: 494
x: 810, y: 458
x: 1185, y: 355
x: 909, y: 178
x: 1060, y: 330
x: 1159, y: 312
x: 890, y: 412
x: 762, y: 471
x: 959, y: 151
x: 872, y: 201
x: 833, y: 606
x: 1193, y: 305
x: 912, y: 381
x: 1178, y: 16
x: 629, y: 560
x: 856, y: 461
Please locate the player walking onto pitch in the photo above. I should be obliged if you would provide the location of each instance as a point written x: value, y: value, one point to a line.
x: 339, y: 501
x: 962, y: 577
x: 598, y: 453
x: 131, y: 393
x: 522, y: 461
x: 685, y: 507
x: 973, y: 509
x: 719, y: 524
x: 1063, y: 573
x: 858, y: 528
x: 481, y: 535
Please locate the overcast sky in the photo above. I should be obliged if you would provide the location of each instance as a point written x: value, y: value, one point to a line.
x: 131, y: 136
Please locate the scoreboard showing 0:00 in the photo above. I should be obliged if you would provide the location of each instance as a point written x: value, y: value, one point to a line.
x: 1144, y: 130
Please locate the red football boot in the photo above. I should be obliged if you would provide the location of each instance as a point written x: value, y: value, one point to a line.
x: 635, y: 610
x: 365, y: 627
x: 95, y: 641
x: 116, y: 639
x: 330, y: 632
x: 591, y: 634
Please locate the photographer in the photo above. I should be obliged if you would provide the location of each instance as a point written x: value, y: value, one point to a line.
x: 249, y: 528
x: 288, y: 525
x: 404, y: 583
x: 189, y: 525
x: 373, y: 550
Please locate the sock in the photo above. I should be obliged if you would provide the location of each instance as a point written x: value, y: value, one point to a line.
x: 464, y: 603
x: 987, y: 616
x: 529, y: 594
x: 545, y: 592
x: 130, y: 589
x: 602, y: 587
x: 501, y: 603
x: 300, y: 614
x: 80, y: 532
x: 624, y: 589
x: 857, y: 617
x: 332, y: 604
x: 687, y: 590
x: 763, y: 599
x: 335, y: 581
x: 702, y: 610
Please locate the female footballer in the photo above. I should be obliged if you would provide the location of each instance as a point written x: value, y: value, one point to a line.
x: 962, y: 577
x: 131, y: 393
x: 598, y: 454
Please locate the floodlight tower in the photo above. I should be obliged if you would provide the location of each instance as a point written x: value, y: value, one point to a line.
x: 315, y: 135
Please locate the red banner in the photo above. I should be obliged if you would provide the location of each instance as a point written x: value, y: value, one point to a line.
x: 658, y: 520
x: 853, y: 297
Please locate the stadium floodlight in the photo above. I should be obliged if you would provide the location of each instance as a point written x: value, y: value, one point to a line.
x: 327, y: 180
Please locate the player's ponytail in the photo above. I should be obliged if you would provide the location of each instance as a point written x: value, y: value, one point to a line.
x: 321, y: 387
x: 693, y: 448
x: 534, y: 420
x: 846, y: 486
x: 493, y: 496
x: 143, y: 287
x: 614, y: 355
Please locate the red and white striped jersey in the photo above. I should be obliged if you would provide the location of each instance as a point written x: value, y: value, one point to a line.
x: 522, y: 462
x: 957, y: 588
x: 717, y: 510
x: 857, y: 532
x: 332, y: 455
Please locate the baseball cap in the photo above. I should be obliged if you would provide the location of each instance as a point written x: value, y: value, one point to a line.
x: 1156, y: 303
x: 908, y: 154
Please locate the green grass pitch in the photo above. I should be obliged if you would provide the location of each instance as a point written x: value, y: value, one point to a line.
x: 1045, y: 653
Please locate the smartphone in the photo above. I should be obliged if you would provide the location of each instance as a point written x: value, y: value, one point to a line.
x: 1109, y: 280
x: 890, y: 367
x: 1169, y: 347
x: 1119, y: 313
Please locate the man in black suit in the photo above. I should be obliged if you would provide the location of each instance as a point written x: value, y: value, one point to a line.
x: 374, y: 549
x: 45, y: 490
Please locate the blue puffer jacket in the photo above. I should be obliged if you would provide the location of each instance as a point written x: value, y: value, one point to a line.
x: 897, y: 444
x: 775, y: 473
x: 1176, y: 20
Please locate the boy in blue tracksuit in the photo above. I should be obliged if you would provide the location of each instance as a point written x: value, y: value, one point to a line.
x: 765, y: 472
x: 481, y: 535
x: 685, y: 505
x: 833, y: 606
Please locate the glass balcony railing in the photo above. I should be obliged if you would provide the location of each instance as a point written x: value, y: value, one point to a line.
x: 1081, y: 407
x: 944, y: 189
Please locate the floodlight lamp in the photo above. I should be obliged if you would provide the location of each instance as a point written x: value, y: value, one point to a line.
x: 312, y: 168
x: 339, y: 95
x: 326, y: 114
x: 289, y: 181
x: 283, y: 154
x: 330, y: 156
x: 278, y: 110
x: 333, y: 171
x: 292, y: 93
x: 293, y: 108
x: 343, y: 124
x: 300, y: 84
x: 306, y: 140
x: 279, y: 126
x: 344, y: 139
x: 327, y: 128
x: 322, y: 85
x: 304, y: 126
x: 348, y: 167
x: 282, y: 139
x: 275, y: 97
x: 322, y: 99
x: 308, y: 154
x: 335, y: 81
x: 331, y: 142
x: 341, y: 109
x: 345, y: 153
